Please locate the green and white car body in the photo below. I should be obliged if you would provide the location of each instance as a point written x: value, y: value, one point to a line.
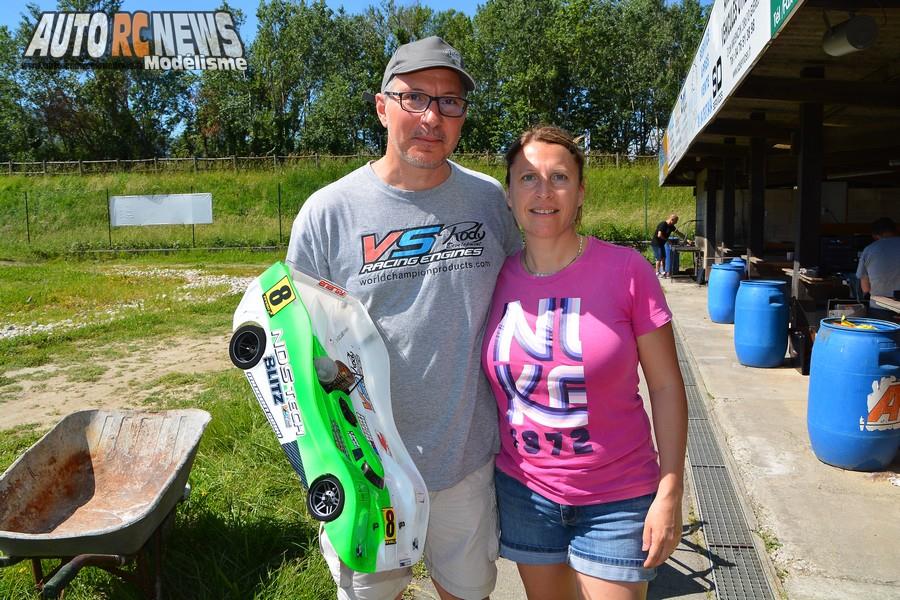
x: 340, y: 438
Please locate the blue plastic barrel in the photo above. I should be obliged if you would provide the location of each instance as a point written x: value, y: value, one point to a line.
x: 761, y: 323
x: 671, y: 257
x: 721, y: 292
x: 739, y: 263
x: 853, y: 407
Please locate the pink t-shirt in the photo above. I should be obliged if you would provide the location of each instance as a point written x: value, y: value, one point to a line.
x: 561, y: 355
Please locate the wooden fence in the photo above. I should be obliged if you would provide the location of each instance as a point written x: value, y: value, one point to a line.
x: 243, y: 163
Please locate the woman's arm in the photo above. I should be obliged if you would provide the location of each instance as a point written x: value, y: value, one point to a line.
x: 659, y: 361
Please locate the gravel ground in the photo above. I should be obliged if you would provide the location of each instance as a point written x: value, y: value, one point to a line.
x: 194, y: 280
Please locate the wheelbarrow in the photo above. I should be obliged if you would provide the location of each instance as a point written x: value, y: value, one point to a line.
x: 99, y: 489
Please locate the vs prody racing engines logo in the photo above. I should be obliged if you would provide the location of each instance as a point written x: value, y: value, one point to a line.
x: 160, y: 41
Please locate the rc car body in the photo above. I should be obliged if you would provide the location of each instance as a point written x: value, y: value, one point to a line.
x: 320, y: 371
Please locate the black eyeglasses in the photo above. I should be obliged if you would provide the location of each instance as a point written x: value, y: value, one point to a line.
x: 417, y: 102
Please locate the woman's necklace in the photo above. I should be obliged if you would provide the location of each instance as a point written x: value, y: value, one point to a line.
x: 547, y: 274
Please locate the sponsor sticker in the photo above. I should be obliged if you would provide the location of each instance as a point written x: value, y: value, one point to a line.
x: 883, y: 405
x: 336, y: 290
x: 278, y: 296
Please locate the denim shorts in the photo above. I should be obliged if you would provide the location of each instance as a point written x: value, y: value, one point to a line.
x: 599, y: 540
x: 659, y: 252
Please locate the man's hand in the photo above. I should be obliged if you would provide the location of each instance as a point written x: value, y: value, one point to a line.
x: 662, y: 530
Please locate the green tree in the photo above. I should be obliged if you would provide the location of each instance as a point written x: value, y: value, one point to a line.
x: 17, y: 128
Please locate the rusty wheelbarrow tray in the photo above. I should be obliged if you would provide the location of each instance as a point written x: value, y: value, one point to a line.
x: 97, y: 487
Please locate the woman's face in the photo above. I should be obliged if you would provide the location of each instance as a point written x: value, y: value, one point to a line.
x: 544, y: 190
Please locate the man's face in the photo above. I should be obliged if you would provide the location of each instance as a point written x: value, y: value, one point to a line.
x: 422, y: 140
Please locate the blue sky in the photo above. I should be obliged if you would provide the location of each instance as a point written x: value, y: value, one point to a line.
x: 12, y: 10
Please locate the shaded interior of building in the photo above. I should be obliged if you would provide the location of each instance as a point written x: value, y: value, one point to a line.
x: 803, y: 155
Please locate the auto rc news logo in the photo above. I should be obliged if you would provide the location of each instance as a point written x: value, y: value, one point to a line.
x: 162, y: 41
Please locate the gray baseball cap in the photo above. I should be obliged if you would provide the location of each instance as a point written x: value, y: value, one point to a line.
x: 429, y: 53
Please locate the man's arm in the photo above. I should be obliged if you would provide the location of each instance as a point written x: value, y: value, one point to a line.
x: 865, y: 285
x: 308, y: 249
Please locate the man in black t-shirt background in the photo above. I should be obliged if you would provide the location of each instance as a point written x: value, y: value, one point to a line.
x: 658, y: 243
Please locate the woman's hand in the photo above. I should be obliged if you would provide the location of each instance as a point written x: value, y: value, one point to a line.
x: 662, y: 529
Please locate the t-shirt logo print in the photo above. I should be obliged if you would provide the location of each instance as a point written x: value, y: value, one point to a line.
x: 420, y: 245
x: 566, y: 404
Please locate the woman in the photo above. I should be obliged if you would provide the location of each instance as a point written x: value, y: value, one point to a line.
x: 585, y: 509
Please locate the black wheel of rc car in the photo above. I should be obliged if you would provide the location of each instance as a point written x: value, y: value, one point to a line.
x: 325, y: 498
x: 248, y: 344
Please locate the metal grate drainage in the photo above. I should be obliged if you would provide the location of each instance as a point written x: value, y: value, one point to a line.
x: 737, y: 570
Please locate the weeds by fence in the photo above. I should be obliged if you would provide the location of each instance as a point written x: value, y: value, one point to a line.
x: 250, y: 163
x: 55, y: 216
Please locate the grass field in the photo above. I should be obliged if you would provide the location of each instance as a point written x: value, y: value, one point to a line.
x: 68, y: 214
x: 244, y: 532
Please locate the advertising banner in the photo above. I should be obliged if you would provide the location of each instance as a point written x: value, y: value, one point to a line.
x: 160, y: 209
x: 736, y: 35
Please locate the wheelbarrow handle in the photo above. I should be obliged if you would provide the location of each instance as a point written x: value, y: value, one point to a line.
x: 67, y: 572
x: 8, y: 561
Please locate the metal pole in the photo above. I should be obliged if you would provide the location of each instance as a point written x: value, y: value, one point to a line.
x: 108, y: 218
x: 27, y: 227
x: 279, y: 213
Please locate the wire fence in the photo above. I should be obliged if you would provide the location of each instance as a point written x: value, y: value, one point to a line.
x: 55, y: 221
x: 253, y: 163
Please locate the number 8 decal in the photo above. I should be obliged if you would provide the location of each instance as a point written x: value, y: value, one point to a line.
x: 278, y: 296
x: 390, y: 528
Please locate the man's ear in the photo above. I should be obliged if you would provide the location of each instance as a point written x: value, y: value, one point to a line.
x: 380, y: 109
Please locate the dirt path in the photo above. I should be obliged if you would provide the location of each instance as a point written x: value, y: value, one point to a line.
x: 43, y: 395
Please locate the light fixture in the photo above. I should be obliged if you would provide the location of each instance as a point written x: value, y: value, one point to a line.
x: 856, y: 33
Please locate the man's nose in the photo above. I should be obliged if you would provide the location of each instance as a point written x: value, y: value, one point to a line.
x: 432, y: 114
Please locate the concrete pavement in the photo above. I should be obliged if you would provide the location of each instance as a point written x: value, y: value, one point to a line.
x: 831, y: 534
x: 824, y: 533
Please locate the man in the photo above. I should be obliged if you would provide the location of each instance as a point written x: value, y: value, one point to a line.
x: 879, y: 266
x: 420, y: 240
x: 658, y: 243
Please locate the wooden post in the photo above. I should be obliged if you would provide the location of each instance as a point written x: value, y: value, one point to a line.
x: 712, y: 187
x: 195, y: 164
x: 274, y: 162
x: 155, y: 164
x: 807, y: 215
x: 757, y: 190
x: 617, y: 160
x: 234, y: 163
x: 44, y: 166
x: 317, y: 160
x: 80, y: 167
x: 729, y: 176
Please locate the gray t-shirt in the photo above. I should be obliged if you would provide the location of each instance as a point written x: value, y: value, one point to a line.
x: 880, y: 262
x: 424, y: 265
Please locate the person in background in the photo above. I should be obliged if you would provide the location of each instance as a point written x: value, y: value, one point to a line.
x: 658, y: 243
x: 419, y: 240
x: 879, y: 265
x: 588, y: 508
